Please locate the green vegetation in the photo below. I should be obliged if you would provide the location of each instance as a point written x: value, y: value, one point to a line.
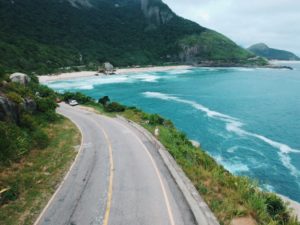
x: 84, y: 38
x: 36, y: 148
x: 270, y: 53
x: 23, y: 130
x: 31, y: 182
x: 114, y: 107
x: 227, y: 195
x: 79, y: 97
x: 108, y: 106
x: 104, y: 100
x: 13, y: 142
x: 215, y: 46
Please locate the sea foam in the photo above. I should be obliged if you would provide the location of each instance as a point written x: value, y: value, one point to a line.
x: 179, y: 71
x: 90, y: 82
x: 234, y: 125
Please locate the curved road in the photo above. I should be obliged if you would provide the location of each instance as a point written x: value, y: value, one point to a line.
x: 118, y: 178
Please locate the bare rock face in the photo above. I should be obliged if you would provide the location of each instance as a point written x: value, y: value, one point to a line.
x: 155, y: 13
x: 8, y: 110
x: 188, y: 53
x: 20, y: 78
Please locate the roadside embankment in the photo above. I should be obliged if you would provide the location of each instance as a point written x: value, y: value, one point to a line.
x: 31, y: 182
x: 231, y: 198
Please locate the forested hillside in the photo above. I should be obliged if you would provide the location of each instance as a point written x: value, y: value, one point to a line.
x: 40, y: 36
x: 263, y: 50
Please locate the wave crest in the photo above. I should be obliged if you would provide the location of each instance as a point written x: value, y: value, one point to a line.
x: 234, y: 125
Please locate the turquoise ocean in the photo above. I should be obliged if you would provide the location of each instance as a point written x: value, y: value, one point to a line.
x: 247, y: 119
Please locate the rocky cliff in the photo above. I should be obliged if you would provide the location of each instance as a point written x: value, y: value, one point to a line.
x: 12, y: 104
x: 156, y: 12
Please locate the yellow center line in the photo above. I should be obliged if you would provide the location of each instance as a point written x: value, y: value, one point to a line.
x: 168, y: 205
x: 111, y: 176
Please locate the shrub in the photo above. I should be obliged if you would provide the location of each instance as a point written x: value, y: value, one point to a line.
x: 50, y: 116
x: 115, y: 107
x: 13, y: 142
x: 79, y: 97
x: 46, y: 105
x: 40, y: 139
x: 168, y: 123
x: 27, y: 121
x: 15, y: 97
x: 104, y: 100
x: 44, y: 91
x: 276, y: 208
x: 135, y: 109
x: 155, y: 119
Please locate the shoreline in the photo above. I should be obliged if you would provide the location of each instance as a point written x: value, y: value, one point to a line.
x: 295, y: 206
x: 85, y: 74
x: 75, y: 75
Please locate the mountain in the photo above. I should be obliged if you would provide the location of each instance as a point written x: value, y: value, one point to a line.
x: 270, y: 53
x: 41, y: 36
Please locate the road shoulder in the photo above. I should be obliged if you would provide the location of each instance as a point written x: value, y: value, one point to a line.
x: 198, y: 207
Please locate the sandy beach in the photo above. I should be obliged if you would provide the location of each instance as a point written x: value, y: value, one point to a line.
x: 82, y: 74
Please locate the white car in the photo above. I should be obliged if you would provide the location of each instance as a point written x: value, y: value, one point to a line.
x: 73, y: 102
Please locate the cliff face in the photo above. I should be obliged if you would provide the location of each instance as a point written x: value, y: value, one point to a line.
x: 12, y: 106
x: 211, y: 46
x: 8, y: 110
x: 156, y: 12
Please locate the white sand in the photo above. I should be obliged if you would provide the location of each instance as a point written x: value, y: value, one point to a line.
x: 65, y: 76
x: 74, y: 75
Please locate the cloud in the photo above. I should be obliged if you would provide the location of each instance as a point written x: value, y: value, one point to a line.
x: 274, y: 22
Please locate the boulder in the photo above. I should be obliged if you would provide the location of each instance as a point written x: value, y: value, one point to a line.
x: 20, y: 78
x: 108, y: 68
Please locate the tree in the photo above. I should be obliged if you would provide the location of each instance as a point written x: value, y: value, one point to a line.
x: 104, y: 100
x: 2, y: 72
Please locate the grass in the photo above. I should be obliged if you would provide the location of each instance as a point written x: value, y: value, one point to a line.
x: 33, y: 180
x: 227, y: 195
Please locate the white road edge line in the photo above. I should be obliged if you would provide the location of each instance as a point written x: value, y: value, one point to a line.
x: 66, y: 176
x: 198, y: 206
x: 169, y: 209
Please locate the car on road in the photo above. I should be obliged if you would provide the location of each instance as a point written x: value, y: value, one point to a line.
x: 72, y: 102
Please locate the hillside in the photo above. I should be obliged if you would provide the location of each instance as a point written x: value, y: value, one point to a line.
x: 41, y: 36
x: 270, y: 53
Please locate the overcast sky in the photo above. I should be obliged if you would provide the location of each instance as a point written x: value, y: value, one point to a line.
x: 274, y: 22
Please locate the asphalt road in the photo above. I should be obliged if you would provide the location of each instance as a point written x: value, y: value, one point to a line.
x: 118, y: 178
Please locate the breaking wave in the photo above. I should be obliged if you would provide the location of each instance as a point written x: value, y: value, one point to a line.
x: 179, y: 71
x: 91, y: 82
x: 232, y: 166
x: 234, y: 125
